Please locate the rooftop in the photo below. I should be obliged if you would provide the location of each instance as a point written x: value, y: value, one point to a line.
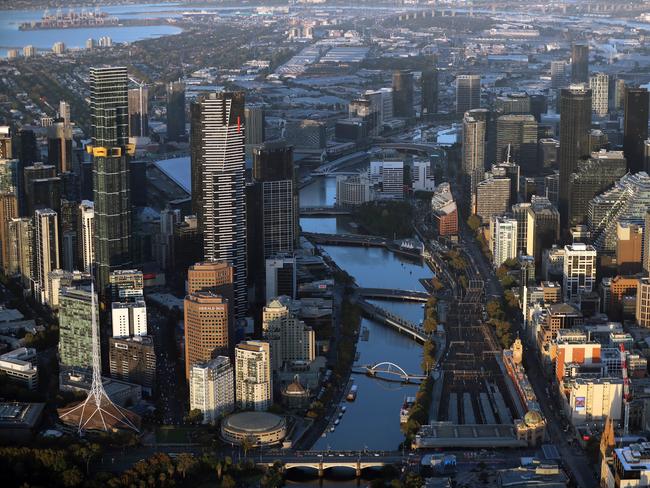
x: 253, y: 421
x: 20, y: 414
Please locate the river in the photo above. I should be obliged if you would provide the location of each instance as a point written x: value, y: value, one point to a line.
x: 372, y: 420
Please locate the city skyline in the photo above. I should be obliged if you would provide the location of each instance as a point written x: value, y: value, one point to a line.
x: 396, y: 245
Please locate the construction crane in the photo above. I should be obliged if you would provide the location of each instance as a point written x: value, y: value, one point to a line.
x: 627, y: 397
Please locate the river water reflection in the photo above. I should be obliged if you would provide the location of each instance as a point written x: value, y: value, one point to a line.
x: 372, y: 420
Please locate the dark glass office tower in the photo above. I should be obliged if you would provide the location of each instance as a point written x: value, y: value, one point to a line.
x: 175, y: 111
x: 575, y: 122
x: 29, y: 152
x: 218, y: 183
x: 273, y: 212
x: 109, y: 114
x: 468, y: 93
x: 402, y: 94
x: 580, y: 63
x: 635, y: 130
x: 429, y: 85
x: 273, y: 169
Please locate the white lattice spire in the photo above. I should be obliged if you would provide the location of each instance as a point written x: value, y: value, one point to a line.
x: 97, y: 411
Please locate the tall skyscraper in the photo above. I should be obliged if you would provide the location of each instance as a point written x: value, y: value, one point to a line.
x: 21, y: 255
x: 592, y: 177
x: 643, y: 302
x: 558, y: 74
x: 429, y: 86
x: 175, y: 111
x: 253, y: 380
x: 646, y: 242
x: 64, y: 112
x: 599, y: 84
x: 517, y: 136
x: 575, y: 122
x: 218, y: 183
x: 504, y: 239
x: 492, y: 197
x: 627, y: 200
x: 212, y: 388
x: 468, y: 93
x: 6, y: 151
x: 59, y: 146
x: 473, y: 152
x: 46, y: 247
x: 619, y: 94
x: 635, y: 130
x: 85, y: 237
x: 139, y: 111
x: 580, y: 63
x: 254, y: 119
x: 403, y: 94
x: 273, y: 171
x: 29, y: 152
x: 111, y: 189
x: 8, y: 212
x: 206, y: 327
x: 579, y: 272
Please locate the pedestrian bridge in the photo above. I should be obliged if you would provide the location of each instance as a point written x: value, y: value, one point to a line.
x: 391, y: 371
x: 390, y: 294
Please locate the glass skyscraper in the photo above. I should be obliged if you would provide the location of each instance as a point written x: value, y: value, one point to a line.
x: 111, y: 193
x: 218, y: 183
x: 575, y: 122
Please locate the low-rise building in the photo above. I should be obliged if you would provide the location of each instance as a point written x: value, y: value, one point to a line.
x: 20, y: 366
x: 593, y: 400
x: 19, y: 421
x: 630, y: 467
x: 444, y: 211
x: 353, y: 190
x: 542, y: 475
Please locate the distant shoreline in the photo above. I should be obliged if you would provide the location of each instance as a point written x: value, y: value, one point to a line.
x: 67, y: 4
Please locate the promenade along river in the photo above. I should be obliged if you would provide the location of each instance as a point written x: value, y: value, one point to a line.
x: 372, y: 420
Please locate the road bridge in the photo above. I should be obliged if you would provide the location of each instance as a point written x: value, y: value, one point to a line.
x: 321, y: 462
x: 425, y: 148
x: 346, y: 239
x: 342, y: 162
x: 323, y: 211
x: 390, y: 294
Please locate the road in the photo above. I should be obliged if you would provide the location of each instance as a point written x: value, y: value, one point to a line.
x: 479, y: 263
x: 171, y: 394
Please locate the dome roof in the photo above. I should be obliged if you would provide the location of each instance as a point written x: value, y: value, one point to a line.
x: 295, y: 388
x: 533, y: 418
